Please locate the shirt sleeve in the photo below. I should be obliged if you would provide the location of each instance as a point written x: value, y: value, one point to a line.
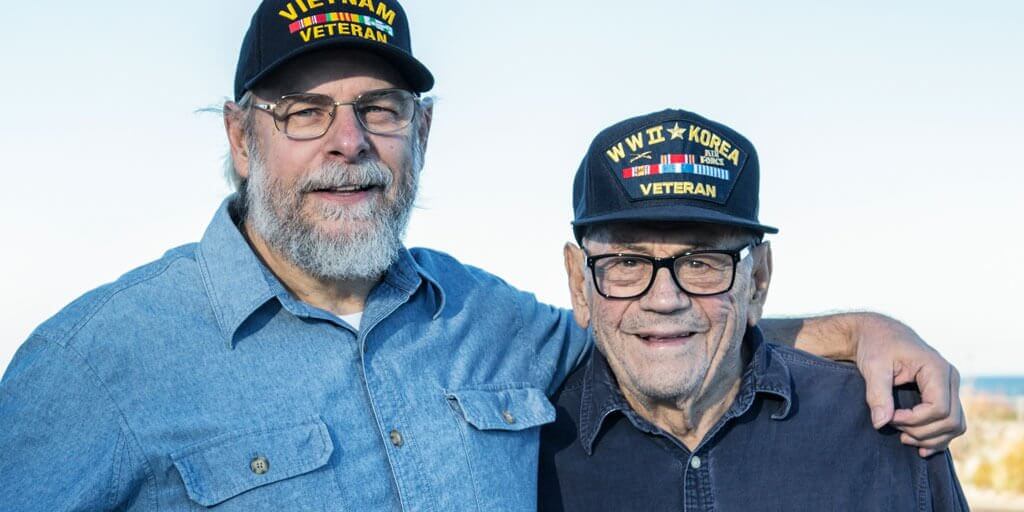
x: 562, y: 345
x: 946, y: 493
x: 63, y: 442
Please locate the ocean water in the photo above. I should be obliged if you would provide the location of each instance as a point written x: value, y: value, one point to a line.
x: 1008, y: 386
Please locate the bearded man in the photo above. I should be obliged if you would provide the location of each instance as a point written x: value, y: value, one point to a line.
x: 299, y: 357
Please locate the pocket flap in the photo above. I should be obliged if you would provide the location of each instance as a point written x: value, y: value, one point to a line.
x: 504, y: 409
x: 222, y: 467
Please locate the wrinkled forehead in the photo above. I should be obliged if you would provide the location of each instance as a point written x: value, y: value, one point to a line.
x: 691, y: 235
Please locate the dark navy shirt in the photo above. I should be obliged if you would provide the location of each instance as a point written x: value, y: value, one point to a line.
x: 797, y: 437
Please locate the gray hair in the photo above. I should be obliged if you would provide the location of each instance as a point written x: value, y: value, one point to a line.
x: 244, y: 112
x: 606, y: 232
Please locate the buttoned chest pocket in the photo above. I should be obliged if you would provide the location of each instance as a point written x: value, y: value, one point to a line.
x: 281, y: 467
x: 500, y: 428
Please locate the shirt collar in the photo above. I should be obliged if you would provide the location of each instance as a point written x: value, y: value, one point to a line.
x: 238, y: 283
x: 233, y: 275
x: 407, y: 274
x: 766, y: 373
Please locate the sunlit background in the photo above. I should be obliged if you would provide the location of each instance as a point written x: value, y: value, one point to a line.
x: 889, y: 135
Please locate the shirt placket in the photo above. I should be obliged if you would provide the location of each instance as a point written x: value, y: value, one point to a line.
x: 394, y: 420
x: 697, y: 496
x: 698, y: 482
x: 699, y: 491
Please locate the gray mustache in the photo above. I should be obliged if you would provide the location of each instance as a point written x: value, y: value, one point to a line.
x: 635, y: 324
x: 335, y: 175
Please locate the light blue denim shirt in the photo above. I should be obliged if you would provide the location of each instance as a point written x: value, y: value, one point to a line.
x: 197, y: 381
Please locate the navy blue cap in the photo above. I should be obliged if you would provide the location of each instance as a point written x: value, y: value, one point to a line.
x: 671, y: 165
x: 282, y: 30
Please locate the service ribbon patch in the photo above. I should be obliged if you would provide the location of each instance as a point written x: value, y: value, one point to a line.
x: 376, y: 25
x: 677, y: 159
x: 329, y: 17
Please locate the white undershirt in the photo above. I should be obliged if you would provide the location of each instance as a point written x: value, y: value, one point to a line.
x: 353, y: 319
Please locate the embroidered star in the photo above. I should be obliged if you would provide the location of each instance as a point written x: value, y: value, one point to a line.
x: 676, y: 132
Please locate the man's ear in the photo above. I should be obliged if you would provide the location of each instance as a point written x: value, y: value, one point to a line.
x: 233, y: 125
x: 423, y: 128
x: 574, y: 268
x: 760, y: 279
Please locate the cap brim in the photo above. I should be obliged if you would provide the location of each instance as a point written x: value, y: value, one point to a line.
x: 417, y: 76
x: 674, y: 214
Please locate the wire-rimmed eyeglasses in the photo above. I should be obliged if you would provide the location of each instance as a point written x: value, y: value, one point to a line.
x: 305, y: 116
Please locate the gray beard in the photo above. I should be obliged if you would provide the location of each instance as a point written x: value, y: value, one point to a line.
x: 275, y: 213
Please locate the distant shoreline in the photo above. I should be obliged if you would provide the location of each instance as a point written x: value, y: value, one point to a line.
x: 997, y: 385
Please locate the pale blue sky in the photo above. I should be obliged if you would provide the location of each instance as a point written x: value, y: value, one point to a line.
x: 889, y: 136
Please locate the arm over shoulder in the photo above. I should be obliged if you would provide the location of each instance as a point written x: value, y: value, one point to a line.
x: 65, y: 444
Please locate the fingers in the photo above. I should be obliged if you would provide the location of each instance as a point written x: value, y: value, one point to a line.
x: 937, y: 382
x: 923, y: 416
x: 935, y: 435
x: 950, y: 426
x: 906, y: 358
x: 928, y: 446
x: 878, y: 380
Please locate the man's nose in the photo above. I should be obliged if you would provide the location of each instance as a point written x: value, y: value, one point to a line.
x: 665, y: 296
x: 347, y: 138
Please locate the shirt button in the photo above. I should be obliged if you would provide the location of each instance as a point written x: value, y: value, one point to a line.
x: 259, y: 465
x: 508, y: 417
x: 396, y: 438
x: 695, y: 462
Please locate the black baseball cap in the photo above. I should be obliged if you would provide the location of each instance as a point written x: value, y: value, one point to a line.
x: 671, y: 165
x: 282, y: 30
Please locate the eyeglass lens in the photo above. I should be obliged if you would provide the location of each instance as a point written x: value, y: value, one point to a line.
x: 628, y: 276
x: 306, y: 116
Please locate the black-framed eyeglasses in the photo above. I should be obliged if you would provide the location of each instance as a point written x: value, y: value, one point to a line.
x: 698, y: 273
x: 306, y: 116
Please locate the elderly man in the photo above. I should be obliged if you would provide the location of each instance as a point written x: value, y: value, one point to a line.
x: 298, y: 357
x: 684, y: 405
